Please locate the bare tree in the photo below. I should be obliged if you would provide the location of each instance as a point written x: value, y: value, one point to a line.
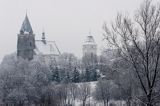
x: 84, y: 92
x: 138, y: 41
x: 125, y: 80
x: 102, y: 92
x: 73, y: 88
x: 62, y: 93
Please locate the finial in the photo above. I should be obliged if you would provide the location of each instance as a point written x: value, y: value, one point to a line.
x: 43, y: 36
x: 43, y: 31
x: 90, y: 32
x: 26, y: 12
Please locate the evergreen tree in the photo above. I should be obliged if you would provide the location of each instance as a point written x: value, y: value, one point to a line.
x: 87, y: 75
x: 94, y: 75
x: 76, y: 76
x: 67, y: 77
x: 55, y: 75
x: 83, y: 76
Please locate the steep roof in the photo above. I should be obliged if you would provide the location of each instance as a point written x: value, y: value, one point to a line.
x: 26, y: 26
x: 47, y: 48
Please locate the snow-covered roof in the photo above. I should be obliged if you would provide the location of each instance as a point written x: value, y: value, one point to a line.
x: 90, y: 40
x: 46, y: 48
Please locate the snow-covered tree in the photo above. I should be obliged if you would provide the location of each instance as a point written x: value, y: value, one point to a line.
x: 102, y: 92
x: 55, y: 75
x: 84, y: 92
x: 76, y: 76
x: 22, y: 81
x: 87, y: 75
x: 73, y: 89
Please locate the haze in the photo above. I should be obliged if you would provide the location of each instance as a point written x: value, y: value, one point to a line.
x: 67, y: 22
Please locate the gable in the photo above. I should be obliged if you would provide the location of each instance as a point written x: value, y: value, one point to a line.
x: 48, y: 48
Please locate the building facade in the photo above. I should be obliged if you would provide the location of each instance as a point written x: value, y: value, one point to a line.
x: 28, y: 47
x: 89, y: 52
x: 26, y: 41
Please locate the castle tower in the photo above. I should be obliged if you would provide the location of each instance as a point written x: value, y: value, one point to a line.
x: 89, y: 52
x: 26, y: 41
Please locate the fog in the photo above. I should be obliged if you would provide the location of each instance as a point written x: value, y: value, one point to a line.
x: 67, y: 22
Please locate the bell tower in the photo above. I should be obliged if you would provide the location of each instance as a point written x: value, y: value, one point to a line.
x: 26, y: 41
x: 89, y: 52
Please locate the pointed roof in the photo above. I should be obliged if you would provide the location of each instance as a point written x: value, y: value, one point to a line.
x: 89, y: 41
x: 26, y: 26
x: 43, y: 37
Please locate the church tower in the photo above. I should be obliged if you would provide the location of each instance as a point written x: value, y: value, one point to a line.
x: 26, y: 41
x: 89, y: 52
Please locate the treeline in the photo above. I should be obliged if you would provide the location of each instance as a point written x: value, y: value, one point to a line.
x: 36, y: 82
x: 75, y: 76
x: 25, y: 83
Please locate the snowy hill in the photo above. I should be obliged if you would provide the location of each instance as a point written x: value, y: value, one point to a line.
x: 91, y: 101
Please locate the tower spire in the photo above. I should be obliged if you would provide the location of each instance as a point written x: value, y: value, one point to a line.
x: 90, y: 32
x: 26, y: 26
x: 43, y: 37
x: 26, y: 12
x: 26, y: 41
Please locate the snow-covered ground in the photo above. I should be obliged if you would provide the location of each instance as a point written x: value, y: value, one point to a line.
x: 92, y: 101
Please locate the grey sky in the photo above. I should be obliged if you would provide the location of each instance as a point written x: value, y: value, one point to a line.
x: 66, y: 21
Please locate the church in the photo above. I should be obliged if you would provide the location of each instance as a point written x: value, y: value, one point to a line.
x: 28, y: 46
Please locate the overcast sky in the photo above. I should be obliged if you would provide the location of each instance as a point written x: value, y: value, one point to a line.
x: 67, y: 22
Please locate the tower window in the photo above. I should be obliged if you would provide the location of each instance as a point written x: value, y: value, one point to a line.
x: 30, y: 44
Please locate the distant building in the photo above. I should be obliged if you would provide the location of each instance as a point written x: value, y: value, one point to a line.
x: 89, y: 52
x: 27, y: 46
